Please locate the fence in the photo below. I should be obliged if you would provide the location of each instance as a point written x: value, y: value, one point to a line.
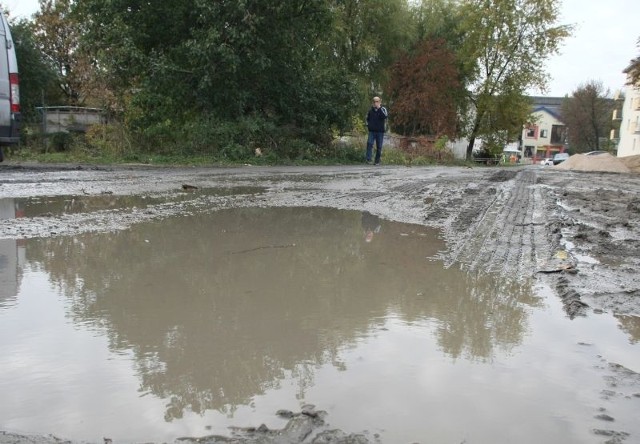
x: 67, y: 119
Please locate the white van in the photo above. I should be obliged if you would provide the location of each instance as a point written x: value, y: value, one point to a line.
x: 10, y: 116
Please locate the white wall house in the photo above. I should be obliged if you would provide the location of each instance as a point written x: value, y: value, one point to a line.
x: 547, y: 134
x: 541, y: 139
x: 629, y: 143
x: 459, y: 147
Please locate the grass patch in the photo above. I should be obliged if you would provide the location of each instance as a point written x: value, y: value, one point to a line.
x: 201, y: 143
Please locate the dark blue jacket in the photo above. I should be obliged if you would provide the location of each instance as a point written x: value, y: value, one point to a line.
x: 376, y: 118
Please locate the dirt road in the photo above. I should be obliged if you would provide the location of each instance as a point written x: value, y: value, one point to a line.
x: 578, y: 232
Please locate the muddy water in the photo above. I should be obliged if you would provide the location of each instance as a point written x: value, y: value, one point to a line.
x: 190, y: 325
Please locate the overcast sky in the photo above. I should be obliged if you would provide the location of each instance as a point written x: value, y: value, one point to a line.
x: 602, y: 45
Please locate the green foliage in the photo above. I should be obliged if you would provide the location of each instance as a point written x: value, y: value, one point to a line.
x: 505, y: 41
x: 493, y: 145
x: 504, y: 48
x: 228, y: 59
x: 441, y: 143
x: 587, y: 115
x: 502, y: 119
x: 111, y: 140
x: 421, y: 161
x: 439, y: 19
x: 219, y: 80
x: 55, y: 147
x: 57, y: 35
x: 365, y: 37
x: 37, y: 77
x: 232, y: 140
x: 348, y: 154
x: 231, y: 60
x: 258, y: 146
x: 61, y: 141
x: 394, y: 157
x: 358, y: 124
x: 633, y: 70
x: 246, y: 139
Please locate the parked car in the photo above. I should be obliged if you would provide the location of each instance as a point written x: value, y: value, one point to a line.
x: 547, y: 161
x: 10, y: 116
x: 560, y: 157
x: 595, y: 153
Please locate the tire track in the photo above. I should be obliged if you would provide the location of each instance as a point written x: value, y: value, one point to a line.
x: 505, y: 237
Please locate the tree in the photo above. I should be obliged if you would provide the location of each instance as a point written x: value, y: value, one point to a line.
x: 439, y: 19
x: 587, y: 114
x: 502, y: 120
x: 224, y: 59
x: 57, y: 34
x: 368, y: 36
x: 38, y: 80
x: 505, y: 45
x: 423, y: 87
x: 633, y: 70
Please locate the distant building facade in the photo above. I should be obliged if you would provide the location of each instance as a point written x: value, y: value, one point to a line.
x: 546, y: 135
x: 629, y: 137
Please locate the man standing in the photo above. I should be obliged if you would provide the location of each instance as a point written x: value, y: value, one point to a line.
x: 375, y: 123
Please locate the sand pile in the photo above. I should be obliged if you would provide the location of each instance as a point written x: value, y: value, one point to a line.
x: 600, y: 162
x: 632, y: 162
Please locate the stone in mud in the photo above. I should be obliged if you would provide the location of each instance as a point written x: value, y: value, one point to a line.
x: 301, y: 428
x: 339, y: 437
x: 605, y: 417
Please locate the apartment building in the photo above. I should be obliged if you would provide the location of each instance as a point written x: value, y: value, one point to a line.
x: 629, y: 136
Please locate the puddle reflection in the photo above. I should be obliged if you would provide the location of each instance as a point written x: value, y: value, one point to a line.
x: 631, y: 326
x: 217, y: 307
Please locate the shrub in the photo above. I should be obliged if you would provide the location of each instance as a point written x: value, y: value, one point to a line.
x: 111, y: 140
x: 60, y: 141
x: 394, y: 157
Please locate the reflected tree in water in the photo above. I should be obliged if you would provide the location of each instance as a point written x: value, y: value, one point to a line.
x: 219, y: 308
x: 631, y: 326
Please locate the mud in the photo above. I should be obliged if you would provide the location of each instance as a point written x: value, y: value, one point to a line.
x: 308, y: 426
x: 577, y: 232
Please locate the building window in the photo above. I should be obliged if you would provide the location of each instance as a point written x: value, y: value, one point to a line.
x: 558, y: 135
x: 544, y: 133
x: 531, y: 132
x: 528, y: 150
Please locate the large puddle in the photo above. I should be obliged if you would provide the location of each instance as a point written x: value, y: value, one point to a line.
x: 190, y: 325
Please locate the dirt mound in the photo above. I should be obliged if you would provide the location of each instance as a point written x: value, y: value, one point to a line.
x: 632, y: 162
x: 600, y: 162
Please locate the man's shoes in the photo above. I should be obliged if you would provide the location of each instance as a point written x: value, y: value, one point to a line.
x: 376, y: 164
x: 368, y: 162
